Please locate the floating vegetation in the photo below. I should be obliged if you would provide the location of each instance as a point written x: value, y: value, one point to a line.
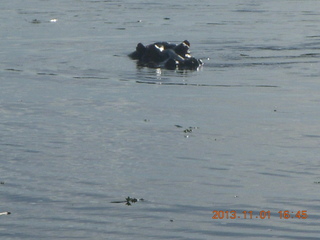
x: 36, y: 21
x: 128, y: 201
x: 187, y: 130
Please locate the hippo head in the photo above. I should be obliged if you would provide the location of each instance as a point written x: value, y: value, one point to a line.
x: 190, y: 63
x: 182, y: 49
x: 139, y: 52
x: 166, y: 55
x: 153, y: 53
x: 171, y: 64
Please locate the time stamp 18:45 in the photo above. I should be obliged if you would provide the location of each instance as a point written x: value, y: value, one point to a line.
x: 301, y: 214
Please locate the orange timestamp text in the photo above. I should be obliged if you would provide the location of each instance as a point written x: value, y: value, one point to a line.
x: 286, y: 214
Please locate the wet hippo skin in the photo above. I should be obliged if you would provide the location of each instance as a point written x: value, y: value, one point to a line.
x: 166, y: 55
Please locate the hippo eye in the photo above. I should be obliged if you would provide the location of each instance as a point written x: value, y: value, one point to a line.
x: 161, y: 48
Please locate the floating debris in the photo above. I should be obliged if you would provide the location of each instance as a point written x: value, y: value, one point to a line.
x: 186, y: 130
x: 36, y: 21
x: 5, y: 213
x: 1, y: 182
x: 128, y: 201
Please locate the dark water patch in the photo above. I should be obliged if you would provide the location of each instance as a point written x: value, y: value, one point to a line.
x: 312, y: 136
x: 293, y: 173
x: 228, y: 232
x: 87, y: 208
x: 303, y: 55
x: 283, y: 200
x: 277, y: 48
x: 24, y: 12
x: 314, y: 36
x: 215, y: 24
x: 297, y: 47
x: 19, y: 198
x: 13, y: 70
x: 274, y: 174
x: 193, y: 159
x: 254, y: 64
x: 103, y: 1
x: 173, y: 207
x: 310, y: 55
x: 310, y: 13
x: 17, y: 235
x: 31, y: 151
x: 12, y: 145
x: 217, y: 169
x: 47, y: 74
x: 249, y: 11
x: 209, y: 85
x: 91, y: 77
x: 212, y: 43
x: 228, y: 185
x: 78, y: 220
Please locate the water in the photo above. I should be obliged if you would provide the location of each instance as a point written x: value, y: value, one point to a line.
x: 81, y: 126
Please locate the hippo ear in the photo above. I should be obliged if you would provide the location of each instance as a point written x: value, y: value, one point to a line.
x: 140, y: 48
x: 186, y: 42
x: 182, y: 49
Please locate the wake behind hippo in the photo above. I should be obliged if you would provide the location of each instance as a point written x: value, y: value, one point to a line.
x: 166, y: 55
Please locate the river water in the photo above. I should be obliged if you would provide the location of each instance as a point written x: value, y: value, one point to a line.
x: 81, y: 127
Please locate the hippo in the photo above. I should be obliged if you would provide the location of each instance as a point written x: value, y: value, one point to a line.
x: 166, y: 55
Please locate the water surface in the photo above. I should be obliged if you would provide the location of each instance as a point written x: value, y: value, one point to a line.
x: 81, y: 126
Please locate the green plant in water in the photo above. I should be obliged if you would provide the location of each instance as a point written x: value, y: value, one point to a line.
x: 130, y: 200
